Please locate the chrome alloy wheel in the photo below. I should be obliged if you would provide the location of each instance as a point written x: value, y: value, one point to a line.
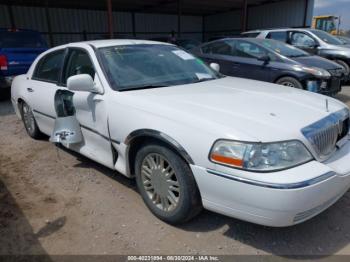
x: 160, y: 182
x: 28, y: 118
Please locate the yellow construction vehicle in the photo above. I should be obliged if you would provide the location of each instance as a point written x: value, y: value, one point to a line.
x: 326, y: 23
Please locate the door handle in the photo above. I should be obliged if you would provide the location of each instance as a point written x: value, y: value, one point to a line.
x: 29, y: 89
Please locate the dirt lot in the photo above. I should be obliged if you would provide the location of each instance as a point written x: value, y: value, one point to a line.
x: 53, y: 201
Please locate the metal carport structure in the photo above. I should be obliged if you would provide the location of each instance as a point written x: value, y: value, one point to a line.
x: 73, y: 20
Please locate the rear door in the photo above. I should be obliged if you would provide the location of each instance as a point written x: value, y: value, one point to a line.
x: 303, y: 41
x: 219, y: 52
x: 42, y: 87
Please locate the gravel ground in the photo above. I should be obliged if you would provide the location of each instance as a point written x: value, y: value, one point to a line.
x: 53, y: 201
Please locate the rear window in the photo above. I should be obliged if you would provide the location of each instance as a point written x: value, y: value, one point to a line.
x: 21, y: 40
x: 279, y: 36
x: 250, y: 35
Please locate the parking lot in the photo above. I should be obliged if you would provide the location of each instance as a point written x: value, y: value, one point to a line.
x: 53, y: 201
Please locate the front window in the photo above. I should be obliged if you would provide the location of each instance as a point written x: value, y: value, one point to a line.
x: 302, y: 40
x: 132, y: 67
x: 328, y: 38
x: 283, y: 49
x: 79, y: 62
x: 249, y: 50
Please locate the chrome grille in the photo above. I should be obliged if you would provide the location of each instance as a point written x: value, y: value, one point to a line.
x: 325, y: 139
x: 324, y: 134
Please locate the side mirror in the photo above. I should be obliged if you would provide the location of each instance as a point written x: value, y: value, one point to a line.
x: 316, y: 45
x: 265, y: 58
x: 82, y: 82
x: 215, y: 67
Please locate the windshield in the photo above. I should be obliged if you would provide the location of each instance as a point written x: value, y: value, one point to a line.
x: 21, y: 40
x: 283, y: 49
x: 148, y: 66
x: 328, y: 38
x: 344, y: 39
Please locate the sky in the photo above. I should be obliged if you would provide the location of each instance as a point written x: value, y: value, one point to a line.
x: 334, y: 7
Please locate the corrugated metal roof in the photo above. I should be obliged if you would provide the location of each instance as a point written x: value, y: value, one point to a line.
x: 193, y: 7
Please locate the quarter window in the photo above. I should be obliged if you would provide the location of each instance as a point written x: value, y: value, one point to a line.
x: 49, y: 67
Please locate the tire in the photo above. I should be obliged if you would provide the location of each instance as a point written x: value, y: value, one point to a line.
x: 289, y: 81
x: 5, y: 93
x: 175, y: 197
x: 29, y: 121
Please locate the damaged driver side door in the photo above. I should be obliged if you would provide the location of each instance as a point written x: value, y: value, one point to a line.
x: 82, y: 122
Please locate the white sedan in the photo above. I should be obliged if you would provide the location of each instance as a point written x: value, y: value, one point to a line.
x: 263, y: 153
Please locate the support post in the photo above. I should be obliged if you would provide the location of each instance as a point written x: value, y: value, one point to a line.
x: 133, y: 23
x: 203, y: 28
x: 110, y: 18
x: 12, y: 18
x: 48, y: 22
x: 306, y: 12
x: 244, y: 15
x: 179, y: 13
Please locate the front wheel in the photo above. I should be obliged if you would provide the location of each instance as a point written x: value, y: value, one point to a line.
x: 29, y: 121
x: 289, y: 81
x: 166, y: 184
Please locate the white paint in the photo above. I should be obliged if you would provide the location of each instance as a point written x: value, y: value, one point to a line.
x: 196, y: 115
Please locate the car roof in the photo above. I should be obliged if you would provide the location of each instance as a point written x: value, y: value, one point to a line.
x: 111, y: 42
x: 247, y: 39
x: 278, y: 29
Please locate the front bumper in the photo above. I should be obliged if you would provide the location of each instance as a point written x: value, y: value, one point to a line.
x: 307, y: 191
x: 328, y: 87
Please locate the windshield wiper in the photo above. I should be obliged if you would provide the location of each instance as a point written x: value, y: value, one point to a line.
x: 141, y: 87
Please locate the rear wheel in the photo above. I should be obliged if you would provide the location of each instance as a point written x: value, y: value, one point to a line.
x: 289, y: 81
x: 166, y: 184
x: 29, y: 121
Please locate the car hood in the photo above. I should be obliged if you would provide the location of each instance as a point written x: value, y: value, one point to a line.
x: 317, y: 61
x: 339, y: 48
x: 235, y: 108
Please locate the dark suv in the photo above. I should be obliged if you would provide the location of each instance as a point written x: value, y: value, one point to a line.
x: 313, y: 41
x: 273, y: 61
x: 18, y: 50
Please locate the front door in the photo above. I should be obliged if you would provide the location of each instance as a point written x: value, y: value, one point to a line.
x: 303, y: 41
x: 90, y: 110
x: 246, y: 58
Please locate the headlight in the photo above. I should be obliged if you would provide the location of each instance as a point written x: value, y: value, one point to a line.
x: 319, y: 72
x: 259, y: 156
